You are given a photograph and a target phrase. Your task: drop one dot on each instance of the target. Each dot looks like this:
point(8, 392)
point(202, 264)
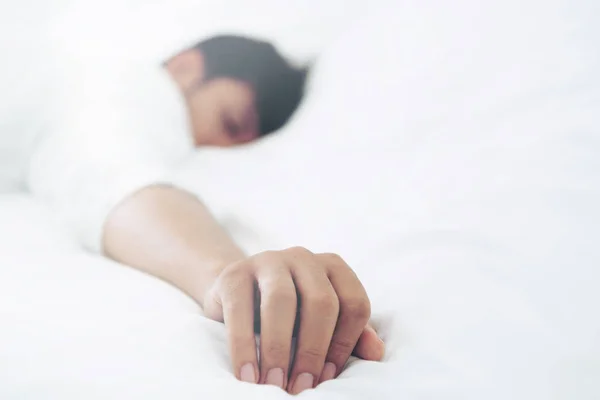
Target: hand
point(317, 292)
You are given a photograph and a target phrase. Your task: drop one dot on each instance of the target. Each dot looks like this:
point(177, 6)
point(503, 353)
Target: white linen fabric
point(108, 138)
point(447, 151)
point(77, 128)
point(25, 83)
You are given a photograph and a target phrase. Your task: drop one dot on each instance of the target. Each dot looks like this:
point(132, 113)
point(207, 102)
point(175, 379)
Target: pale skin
point(170, 234)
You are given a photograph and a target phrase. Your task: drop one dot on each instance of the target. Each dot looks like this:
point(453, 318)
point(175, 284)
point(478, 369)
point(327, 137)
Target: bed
point(454, 164)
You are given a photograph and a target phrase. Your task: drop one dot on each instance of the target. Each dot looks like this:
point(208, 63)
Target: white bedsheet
point(74, 326)
point(455, 167)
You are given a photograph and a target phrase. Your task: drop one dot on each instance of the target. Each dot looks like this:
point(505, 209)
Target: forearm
point(170, 234)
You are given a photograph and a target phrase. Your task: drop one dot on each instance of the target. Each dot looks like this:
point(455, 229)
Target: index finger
point(237, 301)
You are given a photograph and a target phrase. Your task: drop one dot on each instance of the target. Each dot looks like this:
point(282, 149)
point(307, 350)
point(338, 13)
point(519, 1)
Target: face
point(223, 113)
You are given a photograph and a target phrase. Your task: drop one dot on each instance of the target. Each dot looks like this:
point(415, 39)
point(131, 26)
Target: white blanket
point(448, 152)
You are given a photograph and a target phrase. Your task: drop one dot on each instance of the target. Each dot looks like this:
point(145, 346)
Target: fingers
point(355, 311)
point(237, 299)
point(320, 292)
point(277, 315)
point(369, 347)
point(319, 307)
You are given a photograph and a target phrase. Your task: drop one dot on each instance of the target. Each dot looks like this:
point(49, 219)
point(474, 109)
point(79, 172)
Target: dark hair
point(278, 86)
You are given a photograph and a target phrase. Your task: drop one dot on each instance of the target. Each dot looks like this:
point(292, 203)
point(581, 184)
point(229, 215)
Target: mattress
point(451, 161)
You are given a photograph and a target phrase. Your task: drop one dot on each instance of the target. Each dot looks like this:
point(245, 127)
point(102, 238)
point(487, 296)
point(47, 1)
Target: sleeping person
point(102, 155)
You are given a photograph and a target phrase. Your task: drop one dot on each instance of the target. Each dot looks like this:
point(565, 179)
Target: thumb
point(369, 346)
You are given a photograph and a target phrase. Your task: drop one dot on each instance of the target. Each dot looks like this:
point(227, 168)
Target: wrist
point(202, 275)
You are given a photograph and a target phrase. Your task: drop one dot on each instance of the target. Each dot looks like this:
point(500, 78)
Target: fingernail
point(328, 372)
point(303, 382)
point(247, 373)
point(275, 377)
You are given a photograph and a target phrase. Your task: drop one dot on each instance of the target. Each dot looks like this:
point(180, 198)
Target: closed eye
point(231, 126)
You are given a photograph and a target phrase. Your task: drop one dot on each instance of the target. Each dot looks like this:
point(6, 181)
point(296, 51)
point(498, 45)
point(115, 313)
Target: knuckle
point(231, 285)
point(299, 250)
point(356, 308)
point(341, 347)
point(311, 354)
point(235, 271)
point(265, 256)
point(280, 297)
point(233, 282)
point(333, 256)
point(335, 260)
point(276, 351)
point(323, 303)
point(232, 291)
point(240, 342)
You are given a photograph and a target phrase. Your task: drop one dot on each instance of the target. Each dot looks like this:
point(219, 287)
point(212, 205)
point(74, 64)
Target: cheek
point(207, 129)
point(211, 134)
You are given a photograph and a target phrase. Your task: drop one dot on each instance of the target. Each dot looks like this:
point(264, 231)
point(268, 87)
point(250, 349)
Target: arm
point(168, 233)
point(105, 169)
